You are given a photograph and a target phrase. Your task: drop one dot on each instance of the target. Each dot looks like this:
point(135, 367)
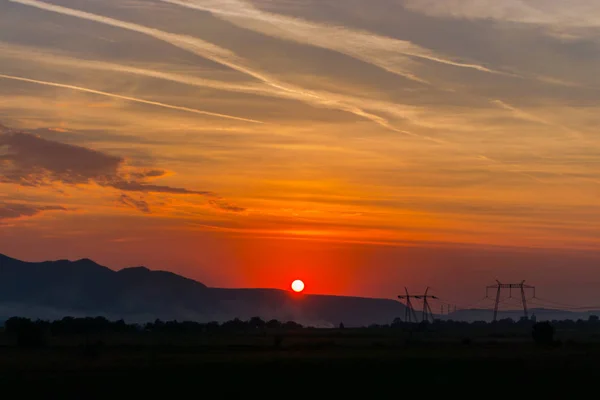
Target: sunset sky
point(360, 145)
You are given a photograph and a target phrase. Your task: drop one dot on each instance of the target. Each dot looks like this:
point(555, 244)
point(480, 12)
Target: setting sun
point(297, 286)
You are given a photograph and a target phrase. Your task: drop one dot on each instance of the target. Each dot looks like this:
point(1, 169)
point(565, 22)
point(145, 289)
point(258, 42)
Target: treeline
point(89, 325)
point(35, 333)
point(28, 329)
point(592, 323)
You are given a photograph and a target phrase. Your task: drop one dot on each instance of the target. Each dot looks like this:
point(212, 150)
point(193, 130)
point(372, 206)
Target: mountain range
point(540, 314)
point(55, 289)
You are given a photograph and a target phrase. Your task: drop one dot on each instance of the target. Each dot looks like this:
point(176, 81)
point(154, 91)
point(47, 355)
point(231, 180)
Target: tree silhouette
point(256, 323)
point(273, 324)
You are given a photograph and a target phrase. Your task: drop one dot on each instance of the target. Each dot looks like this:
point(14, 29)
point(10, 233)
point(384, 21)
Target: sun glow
point(298, 286)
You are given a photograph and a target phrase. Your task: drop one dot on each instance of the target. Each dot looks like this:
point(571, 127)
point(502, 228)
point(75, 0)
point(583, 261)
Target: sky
point(360, 145)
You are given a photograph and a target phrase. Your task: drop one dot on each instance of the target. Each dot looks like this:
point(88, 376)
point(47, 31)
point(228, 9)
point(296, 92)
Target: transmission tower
point(510, 286)
point(427, 313)
point(409, 311)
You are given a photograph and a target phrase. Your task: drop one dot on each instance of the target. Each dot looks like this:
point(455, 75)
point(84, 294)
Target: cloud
point(518, 113)
point(140, 204)
point(560, 13)
point(37, 55)
point(30, 160)
point(128, 98)
point(226, 58)
point(390, 54)
point(18, 210)
point(224, 206)
point(136, 186)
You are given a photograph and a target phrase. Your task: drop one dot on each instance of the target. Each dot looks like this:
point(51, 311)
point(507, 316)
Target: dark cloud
point(136, 186)
point(33, 161)
point(222, 205)
point(17, 210)
point(155, 173)
point(30, 160)
point(140, 204)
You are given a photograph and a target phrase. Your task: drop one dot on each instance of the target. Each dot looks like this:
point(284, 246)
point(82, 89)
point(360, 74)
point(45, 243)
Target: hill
point(541, 314)
point(54, 289)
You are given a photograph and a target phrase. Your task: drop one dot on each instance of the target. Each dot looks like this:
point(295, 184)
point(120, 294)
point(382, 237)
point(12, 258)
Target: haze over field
point(360, 145)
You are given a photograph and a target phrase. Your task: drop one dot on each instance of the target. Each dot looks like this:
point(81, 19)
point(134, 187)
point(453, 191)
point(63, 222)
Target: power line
point(409, 311)
point(410, 314)
point(510, 286)
point(565, 306)
point(520, 300)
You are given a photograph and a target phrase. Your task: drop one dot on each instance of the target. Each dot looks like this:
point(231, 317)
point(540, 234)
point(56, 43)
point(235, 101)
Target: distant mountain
point(54, 289)
point(541, 314)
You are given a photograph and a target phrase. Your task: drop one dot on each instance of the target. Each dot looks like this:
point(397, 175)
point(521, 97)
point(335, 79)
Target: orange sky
point(249, 143)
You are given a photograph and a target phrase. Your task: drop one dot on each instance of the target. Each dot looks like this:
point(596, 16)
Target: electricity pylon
point(427, 313)
point(409, 311)
point(510, 286)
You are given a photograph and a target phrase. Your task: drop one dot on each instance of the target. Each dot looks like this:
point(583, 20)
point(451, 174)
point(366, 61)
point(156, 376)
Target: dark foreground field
point(301, 370)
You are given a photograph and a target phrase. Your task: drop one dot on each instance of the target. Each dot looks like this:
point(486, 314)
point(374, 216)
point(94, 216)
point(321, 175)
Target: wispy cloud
point(13, 210)
point(527, 116)
point(225, 206)
point(574, 13)
point(139, 204)
point(52, 58)
point(391, 54)
point(361, 42)
point(128, 98)
point(477, 169)
point(227, 58)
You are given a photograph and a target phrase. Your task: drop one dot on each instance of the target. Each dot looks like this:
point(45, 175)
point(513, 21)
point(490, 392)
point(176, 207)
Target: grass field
point(317, 362)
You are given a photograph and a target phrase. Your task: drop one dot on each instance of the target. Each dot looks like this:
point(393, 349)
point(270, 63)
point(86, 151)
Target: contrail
point(345, 103)
point(128, 98)
point(380, 51)
point(363, 45)
point(534, 118)
point(227, 58)
point(192, 44)
point(223, 57)
point(51, 58)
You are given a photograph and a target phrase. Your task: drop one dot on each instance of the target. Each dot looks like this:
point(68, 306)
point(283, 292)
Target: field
point(314, 362)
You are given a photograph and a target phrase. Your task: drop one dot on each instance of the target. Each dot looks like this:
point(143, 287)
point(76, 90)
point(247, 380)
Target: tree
point(291, 325)
point(273, 324)
point(256, 323)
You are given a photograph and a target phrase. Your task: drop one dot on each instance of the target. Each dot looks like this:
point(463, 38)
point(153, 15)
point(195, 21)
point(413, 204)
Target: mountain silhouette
point(54, 289)
point(541, 314)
